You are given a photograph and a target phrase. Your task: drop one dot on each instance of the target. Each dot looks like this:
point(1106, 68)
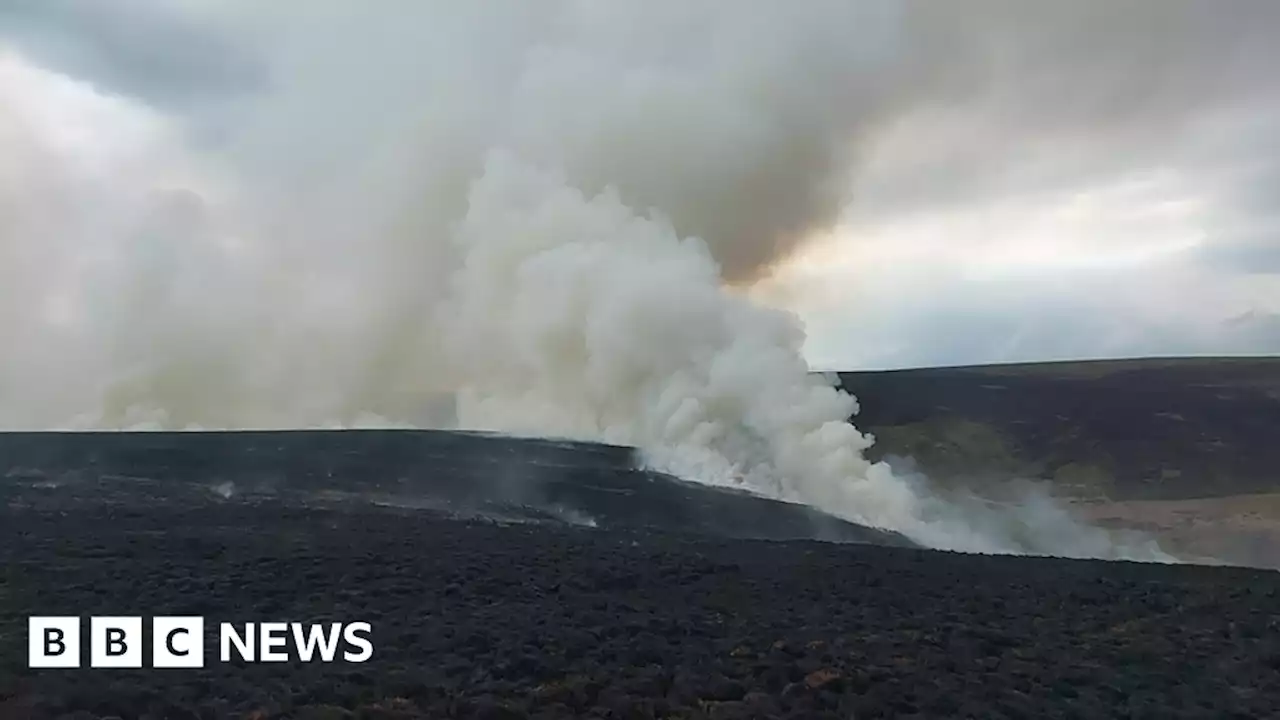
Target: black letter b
point(115, 642)
point(53, 638)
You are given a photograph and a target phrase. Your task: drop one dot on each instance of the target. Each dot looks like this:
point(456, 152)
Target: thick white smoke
point(498, 203)
point(573, 316)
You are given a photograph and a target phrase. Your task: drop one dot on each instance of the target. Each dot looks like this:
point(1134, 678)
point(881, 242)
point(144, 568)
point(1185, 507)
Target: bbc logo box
point(179, 642)
point(53, 642)
point(115, 642)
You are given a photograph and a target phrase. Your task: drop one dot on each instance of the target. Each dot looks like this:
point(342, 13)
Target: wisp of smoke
point(508, 217)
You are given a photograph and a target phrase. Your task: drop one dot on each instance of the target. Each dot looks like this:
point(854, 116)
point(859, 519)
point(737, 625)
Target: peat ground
point(1157, 429)
point(459, 474)
point(477, 618)
point(1180, 448)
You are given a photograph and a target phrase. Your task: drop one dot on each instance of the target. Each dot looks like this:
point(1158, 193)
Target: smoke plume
point(511, 216)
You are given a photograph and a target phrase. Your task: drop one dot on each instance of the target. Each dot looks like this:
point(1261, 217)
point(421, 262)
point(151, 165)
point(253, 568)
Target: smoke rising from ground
point(575, 317)
point(531, 209)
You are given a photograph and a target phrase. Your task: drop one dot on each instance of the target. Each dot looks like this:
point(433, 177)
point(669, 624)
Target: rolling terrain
point(483, 616)
point(532, 578)
point(1182, 448)
point(460, 474)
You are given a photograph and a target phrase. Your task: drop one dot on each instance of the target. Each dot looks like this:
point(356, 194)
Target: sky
point(1071, 180)
point(1025, 180)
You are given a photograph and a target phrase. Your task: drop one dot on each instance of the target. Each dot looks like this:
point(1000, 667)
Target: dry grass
point(1240, 529)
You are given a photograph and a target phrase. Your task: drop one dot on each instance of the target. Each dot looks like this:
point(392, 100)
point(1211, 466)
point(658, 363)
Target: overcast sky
point(1037, 180)
point(1067, 180)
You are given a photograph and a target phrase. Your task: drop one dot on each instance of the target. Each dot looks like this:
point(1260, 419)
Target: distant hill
point(1161, 429)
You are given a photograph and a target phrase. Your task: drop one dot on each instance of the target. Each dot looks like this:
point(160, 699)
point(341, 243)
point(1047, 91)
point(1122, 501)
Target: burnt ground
point(534, 616)
point(459, 474)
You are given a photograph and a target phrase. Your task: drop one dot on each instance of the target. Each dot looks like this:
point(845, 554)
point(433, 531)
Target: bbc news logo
point(178, 642)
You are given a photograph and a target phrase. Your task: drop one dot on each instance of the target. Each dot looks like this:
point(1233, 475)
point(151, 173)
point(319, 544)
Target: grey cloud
point(987, 100)
point(1034, 329)
point(145, 48)
point(1007, 97)
point(1123, 65)
point(1257, 331)
point(1244, 233)
point(1256, 252)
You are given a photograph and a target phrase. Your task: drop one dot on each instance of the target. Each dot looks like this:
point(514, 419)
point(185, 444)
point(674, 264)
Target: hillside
point(1124, 430)
point(1184, 448)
